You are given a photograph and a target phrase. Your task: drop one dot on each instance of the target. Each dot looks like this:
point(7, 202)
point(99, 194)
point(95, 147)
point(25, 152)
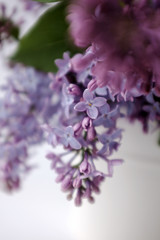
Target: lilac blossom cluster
point(122, 38)
point(87, 126)
point(25, 104)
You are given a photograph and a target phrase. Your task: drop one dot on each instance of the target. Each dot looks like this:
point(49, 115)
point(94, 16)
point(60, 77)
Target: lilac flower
point(74, 90)
point(153, 109)
point(106, 117)
point(85, 166)
point(67, 138)
point(88, 127)
point(25, 105)
point(67, 100)
point(108, 141)
point(90, 104)
point(111, 164)
point(129, 54)
point(64, 65)
point(13, 165)
point(80, 177)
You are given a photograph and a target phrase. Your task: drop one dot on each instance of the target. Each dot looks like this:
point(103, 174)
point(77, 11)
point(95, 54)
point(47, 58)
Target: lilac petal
point(99, 121)
point(150, 98)
point(92, 112)
point(113, 163)
point(103, 149)
point(83, 166)
point(64, 141)
point(99, 101)
point(101, 91)
point(66, 183)
point(103, 138)
point(58, 132)
point(77, 182)
point(117, 134)
point(147, 108)
point(113, 112)
point(70, 131)
point(87, 95)
point(74, 143)
point(113, 146)
point(80, 107)
point(157, 107)
point(108, 123)
point(105, 109)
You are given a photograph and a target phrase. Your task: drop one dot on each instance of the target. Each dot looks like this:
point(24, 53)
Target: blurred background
point(126, 209)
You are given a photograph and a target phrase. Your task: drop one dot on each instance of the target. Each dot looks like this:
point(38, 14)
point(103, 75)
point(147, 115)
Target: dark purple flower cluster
point(123, 39)
point(26, 103)
point(87, 126)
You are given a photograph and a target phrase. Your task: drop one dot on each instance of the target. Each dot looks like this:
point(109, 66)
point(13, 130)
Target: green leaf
point(46, 41)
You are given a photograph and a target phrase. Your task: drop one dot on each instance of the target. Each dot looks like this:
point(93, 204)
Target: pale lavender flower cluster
point(80, 115)
point(13, 164)
point(25, 105)
point(87, 126)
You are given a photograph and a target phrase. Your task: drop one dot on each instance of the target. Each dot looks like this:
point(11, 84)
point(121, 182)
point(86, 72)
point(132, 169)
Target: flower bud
point(77, 182)
point(92, 85)
point(74, 90)
point(86, 123)
point(77, 129)
point(60, 178)
point(85, 167)
point(78, 199)
point(66, 183)
point(91, 134)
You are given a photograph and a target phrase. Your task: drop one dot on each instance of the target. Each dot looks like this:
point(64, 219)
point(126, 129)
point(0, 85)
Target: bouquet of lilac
point(115, 75)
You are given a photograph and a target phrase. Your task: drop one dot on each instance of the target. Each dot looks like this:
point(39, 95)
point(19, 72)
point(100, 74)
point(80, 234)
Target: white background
point(127, 208)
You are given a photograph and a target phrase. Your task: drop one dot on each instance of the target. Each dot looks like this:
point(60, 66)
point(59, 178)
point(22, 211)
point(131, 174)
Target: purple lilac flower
point(90, 104)
point(64, 65)
point(13, 165)
point(67, 100)
point(82, 179)
point(67, 138)
point(153, 109)
point(79, 133)
point(108, 141)
point(123, 38)
point(107, 116)
point(26, 104)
